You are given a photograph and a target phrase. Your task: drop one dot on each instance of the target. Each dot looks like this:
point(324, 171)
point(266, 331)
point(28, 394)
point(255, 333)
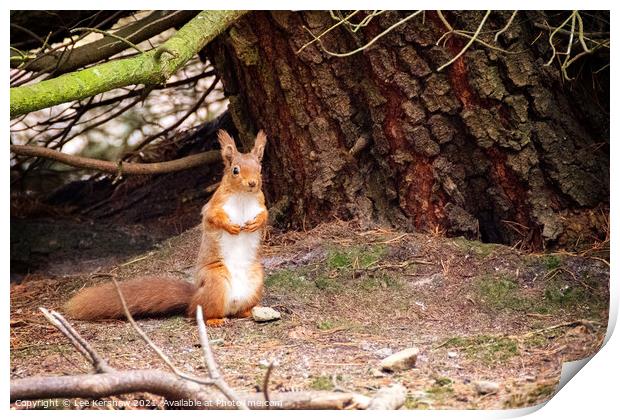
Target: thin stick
point(52, 320)
point(317, 38)
point(505, 28)
point(445, 21)
point(141, 333)
point(192, 110)
point(471, 41)
point(266, 382)
point(556, 30)
point(207, 353)
point(371, 42)
point(581, 34)
point(100, 365)
point(106, 33)
point(154, 346)
point(212, 365)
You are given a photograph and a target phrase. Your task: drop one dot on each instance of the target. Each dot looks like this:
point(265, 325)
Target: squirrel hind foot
point(216, 322)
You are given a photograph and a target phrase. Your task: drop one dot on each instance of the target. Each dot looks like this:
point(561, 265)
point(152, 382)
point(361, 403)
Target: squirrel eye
point(235, 170)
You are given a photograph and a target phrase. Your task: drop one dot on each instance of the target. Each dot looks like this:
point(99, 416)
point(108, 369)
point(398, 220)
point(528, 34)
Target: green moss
point(322, 383)
point(328, 284)
point(536, 340)
point(551, 262)
point(443, 381)
point(500, 292)
point(338, 259)
point(325, 324)
point(564, 295)
point(244, 45)
point(336, 272)
point(286, 279)
point(477, 248)
point(354, 257)
point(560, 295)
point(441, 389)
point(151, 67)
point(412, 403)
point(489, 349)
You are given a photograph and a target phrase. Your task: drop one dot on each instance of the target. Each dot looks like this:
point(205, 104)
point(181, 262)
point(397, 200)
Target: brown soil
point(348, 297)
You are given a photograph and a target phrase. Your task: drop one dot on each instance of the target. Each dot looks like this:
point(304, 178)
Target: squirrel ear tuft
point(227, 144)
point(259, 145)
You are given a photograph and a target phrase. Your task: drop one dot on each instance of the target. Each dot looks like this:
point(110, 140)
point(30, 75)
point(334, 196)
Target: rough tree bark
point(494, 146)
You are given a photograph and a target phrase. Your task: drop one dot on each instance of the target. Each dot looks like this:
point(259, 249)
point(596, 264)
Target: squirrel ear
point(259, 145)
point(227, 145)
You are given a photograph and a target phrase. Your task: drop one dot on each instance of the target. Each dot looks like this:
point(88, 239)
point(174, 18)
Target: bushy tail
point(144, 296)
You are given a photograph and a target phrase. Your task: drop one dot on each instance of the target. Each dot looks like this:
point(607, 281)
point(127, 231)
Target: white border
point(593, 393)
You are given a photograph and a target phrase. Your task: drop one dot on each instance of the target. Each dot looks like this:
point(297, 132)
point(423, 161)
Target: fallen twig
point(57, 320)
point(212, 365)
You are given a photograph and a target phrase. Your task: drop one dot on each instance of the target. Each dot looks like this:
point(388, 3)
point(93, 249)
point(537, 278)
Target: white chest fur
point(239, 251)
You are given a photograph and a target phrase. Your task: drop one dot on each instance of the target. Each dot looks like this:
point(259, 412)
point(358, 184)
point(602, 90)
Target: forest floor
point(349, 298)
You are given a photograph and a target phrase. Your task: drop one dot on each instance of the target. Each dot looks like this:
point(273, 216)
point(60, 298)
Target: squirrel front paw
point(254, 224)
point(232, 229)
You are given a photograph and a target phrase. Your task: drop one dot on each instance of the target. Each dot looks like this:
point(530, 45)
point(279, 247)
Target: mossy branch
point(148, 68)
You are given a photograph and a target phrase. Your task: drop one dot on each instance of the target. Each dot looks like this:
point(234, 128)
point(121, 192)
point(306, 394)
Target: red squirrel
point(229, 276)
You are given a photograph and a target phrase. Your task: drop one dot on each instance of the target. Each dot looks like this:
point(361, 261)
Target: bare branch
point(505, 28)
point(207, 353)
point(106, 384)
point(369, 43)
point(90, 354)
point(110, 34)
point(144, 69)
point(173, 389)
point(127, 168)
point(270, 368)
point(109, 45)
point(331, 28)
point(471, 41)
point(179, 121)
point(212, 365)
point(180, 387)
point(142, 334)
point(140, 92)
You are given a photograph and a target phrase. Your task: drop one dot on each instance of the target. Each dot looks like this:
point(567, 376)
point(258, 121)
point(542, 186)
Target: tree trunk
point(495, 146)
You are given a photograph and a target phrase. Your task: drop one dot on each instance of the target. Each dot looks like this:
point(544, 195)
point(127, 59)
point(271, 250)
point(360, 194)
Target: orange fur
point(213, 283)
point(143, 295)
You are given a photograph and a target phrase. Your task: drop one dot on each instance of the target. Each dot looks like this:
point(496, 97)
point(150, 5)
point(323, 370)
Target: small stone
point(486, 387)
point(452, 354)
point(264, 314)
point(263, 363)
point(384, 352)
point(376, 373)
point(403, 360)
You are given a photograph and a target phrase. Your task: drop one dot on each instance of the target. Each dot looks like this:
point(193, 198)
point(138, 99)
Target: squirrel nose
point(252, 184)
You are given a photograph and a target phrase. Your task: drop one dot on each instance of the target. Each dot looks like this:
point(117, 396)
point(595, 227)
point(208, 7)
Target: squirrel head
point(242, 171)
